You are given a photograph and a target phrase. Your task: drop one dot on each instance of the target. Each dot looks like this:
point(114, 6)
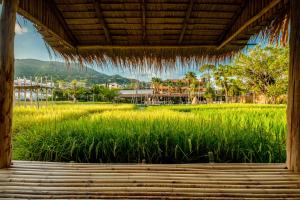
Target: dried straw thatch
point(154, 34)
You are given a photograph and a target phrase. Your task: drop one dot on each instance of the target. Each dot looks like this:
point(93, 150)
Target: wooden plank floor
point(45, 180)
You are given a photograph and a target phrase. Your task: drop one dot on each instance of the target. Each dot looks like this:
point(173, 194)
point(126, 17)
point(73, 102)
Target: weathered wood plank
point(7, 33)
point(41, 180)
point(102, 20)
point(190, 165)
point(143, 14)
point(293, 110)
point(49, 22)
point(186, 21)
point(247, 17)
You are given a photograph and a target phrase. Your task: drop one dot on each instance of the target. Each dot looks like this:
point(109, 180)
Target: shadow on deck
point(45, 180)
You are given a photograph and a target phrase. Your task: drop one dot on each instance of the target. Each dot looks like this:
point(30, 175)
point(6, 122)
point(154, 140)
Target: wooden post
point(37, 91)
point(19, 91)
point(14, 95)
point(293, 110)
point(46, 90)
point(7, 33)
point(25, 91)
point(52, 86)
point(41, 91)
point(31, 90)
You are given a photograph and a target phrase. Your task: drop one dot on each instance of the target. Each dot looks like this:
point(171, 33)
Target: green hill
point(59, 71)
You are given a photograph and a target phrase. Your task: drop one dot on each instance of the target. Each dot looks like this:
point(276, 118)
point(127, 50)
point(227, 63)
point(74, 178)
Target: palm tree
point(74, 84)
point(191, 78)
point(156, 82)
point(180, 84)
point(193, 87)
point(222, 76)
point(170, 85)
point(207, 71)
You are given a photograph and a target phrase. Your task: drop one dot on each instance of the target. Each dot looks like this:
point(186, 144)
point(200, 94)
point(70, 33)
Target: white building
point(114, 85)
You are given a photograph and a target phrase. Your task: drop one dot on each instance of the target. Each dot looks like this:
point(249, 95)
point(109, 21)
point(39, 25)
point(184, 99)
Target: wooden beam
point(48, 22)
point(94, 47)
point(62, 21)
point(186, 21)
point(143, 10)
point(7, 33)
point(210, 46)
point(234, 21)
point(102, 20)
point(293, 108)
point(243, 21)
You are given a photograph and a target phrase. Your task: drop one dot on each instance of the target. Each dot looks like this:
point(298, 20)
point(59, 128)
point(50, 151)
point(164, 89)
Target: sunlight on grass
point(158, 134)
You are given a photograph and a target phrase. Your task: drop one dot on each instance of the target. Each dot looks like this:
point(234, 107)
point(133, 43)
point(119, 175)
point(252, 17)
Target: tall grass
point(167, 134)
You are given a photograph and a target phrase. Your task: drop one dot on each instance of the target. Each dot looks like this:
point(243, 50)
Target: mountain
point(60, 71)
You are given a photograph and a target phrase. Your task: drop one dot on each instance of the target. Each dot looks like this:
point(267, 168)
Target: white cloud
point(20, 30)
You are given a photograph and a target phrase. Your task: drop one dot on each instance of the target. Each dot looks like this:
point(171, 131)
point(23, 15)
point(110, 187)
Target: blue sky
point(29, 44)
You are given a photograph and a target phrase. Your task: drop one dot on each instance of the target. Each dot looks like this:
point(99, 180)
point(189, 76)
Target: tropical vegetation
point(77, 91)
point(263, 71)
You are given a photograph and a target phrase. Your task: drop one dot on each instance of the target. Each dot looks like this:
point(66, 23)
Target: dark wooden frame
point(293, 110)
point(8, 20)
point(7, 33)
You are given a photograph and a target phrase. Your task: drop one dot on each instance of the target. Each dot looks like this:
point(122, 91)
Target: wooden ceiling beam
point(253, 11)
point(102, 20)
point(95, 47)
point(234, 19)
point(143, 10)
point(186, 21)
point(56, 26)
point(150, 3)
point(62, 21)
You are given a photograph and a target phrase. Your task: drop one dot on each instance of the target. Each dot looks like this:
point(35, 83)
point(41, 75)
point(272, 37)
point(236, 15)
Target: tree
point(156, 82)
point(207, 71)
point(223, 76)
point(61, 84)
point(264, 71)
point(82, 93)
point(58, 93)
point(102, 93)
point(191, 79)
point(209, 93)
point(179, 85)
point(109, 94)
point(74, 88)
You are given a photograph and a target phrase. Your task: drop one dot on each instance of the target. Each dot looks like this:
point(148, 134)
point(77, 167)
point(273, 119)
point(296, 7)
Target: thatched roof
point(130, 33)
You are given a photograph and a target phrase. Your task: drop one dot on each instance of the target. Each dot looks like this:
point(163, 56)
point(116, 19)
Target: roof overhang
point(132, 32)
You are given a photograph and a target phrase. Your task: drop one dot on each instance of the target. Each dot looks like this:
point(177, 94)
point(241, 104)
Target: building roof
point(130, 33)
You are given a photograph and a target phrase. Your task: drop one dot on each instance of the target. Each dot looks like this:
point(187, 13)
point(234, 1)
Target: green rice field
point(123, 133)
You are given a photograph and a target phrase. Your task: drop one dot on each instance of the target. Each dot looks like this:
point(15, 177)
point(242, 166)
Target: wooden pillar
point(19, 91)
point(25, 91)
point(293, 109)
point(31, 90)
point(46, 90)
point(7, 33)
point(52, 86)
point(37, 91)
point(41, 90)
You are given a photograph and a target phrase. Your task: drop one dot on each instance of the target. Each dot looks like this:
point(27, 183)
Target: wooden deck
point(39, 180)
